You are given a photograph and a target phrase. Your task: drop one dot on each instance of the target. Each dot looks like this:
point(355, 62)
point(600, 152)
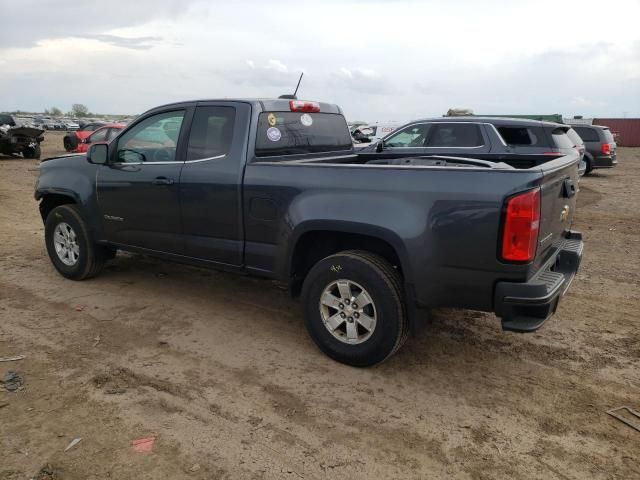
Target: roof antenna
point(293, 97)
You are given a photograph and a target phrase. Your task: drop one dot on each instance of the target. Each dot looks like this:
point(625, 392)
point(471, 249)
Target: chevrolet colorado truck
point(273, 188)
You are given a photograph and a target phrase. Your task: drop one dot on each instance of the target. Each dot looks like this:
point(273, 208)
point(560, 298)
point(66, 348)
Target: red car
point(104, 133)
point(72, 139)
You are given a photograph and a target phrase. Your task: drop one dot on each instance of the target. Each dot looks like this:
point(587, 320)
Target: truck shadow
point(450, 337)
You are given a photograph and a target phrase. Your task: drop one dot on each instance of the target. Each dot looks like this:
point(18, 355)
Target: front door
point(138, 191)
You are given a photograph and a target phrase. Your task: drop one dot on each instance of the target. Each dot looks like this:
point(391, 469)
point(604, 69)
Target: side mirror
point(380, 146)
point(98, 153)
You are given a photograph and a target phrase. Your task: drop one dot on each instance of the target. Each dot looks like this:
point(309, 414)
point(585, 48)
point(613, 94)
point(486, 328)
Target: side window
point(587, 134)
point(211, 132)
point(412, 136)
point(455, 135)
point(154, 139)
point(98, 135)
point(517, 136)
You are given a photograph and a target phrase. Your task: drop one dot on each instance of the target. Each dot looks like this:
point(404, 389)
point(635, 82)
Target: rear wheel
point(70, 246)
point(354, 308)
point(66, 141)
point(589, 163)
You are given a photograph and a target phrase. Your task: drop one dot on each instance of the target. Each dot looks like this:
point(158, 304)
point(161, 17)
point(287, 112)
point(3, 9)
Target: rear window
point(587, 134)
point(608, 135)
point(561, 139)
point(575, 138)
point(290, 133)
point(518, 136)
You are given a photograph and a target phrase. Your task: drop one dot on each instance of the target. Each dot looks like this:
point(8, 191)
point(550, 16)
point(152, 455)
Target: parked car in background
point(104, 133)
point(361, 135)
point(381, 130)
point(70, 125)
point(520, 142)
point(600, 146)
point(17, 138)
point(579, 145)
point(274, 188)
point(49, 123)
point(72, 140)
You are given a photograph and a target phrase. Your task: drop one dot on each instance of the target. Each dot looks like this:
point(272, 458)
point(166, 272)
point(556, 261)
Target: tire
point(89, 257)
point(589, 168)
point(70, 142)
point(383, 286)
point(32, 152)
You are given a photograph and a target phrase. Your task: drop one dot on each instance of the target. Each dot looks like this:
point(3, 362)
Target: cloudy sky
point(380, 60)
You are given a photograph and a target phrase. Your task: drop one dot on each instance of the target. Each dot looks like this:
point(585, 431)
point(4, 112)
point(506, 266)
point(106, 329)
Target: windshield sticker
point(274, 134)
point(271, 118)
point(306, 120)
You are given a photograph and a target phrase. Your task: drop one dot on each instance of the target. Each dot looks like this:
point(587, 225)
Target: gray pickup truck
point(273, 188)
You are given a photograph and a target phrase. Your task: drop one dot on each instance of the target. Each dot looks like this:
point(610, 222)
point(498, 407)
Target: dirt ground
point(219, 369)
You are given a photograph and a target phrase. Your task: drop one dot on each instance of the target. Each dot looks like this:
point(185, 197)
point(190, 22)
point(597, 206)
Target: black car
point(600, 146)
point(526, 143)
point(274, 188)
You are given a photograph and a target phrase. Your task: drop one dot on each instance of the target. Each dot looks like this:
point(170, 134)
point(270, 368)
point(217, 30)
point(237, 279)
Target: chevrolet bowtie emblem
point(564, 215)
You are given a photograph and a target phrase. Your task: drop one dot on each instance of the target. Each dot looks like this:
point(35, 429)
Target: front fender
point(73, 177)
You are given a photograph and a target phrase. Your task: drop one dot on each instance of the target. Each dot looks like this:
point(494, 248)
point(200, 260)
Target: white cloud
point(379, 60)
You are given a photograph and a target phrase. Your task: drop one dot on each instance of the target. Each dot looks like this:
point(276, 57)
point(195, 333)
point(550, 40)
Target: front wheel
point(32, 152)
point(70, 246)
point(354, 308)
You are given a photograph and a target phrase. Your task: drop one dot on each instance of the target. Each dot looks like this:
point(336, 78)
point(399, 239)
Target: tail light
point(302, 106)
point(521, 226)
point(605, 148)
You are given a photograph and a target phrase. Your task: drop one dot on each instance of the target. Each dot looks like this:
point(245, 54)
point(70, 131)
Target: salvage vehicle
point(104, 133)
point(600, 146)
point(17, 139)
point(73, 139)
point(273, 188)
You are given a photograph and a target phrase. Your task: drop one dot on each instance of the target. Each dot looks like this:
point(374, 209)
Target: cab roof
point(498, 121)
point(264, 104)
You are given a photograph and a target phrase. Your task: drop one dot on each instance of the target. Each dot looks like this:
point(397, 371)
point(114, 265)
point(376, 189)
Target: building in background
point(578, 120)
point(626, 130)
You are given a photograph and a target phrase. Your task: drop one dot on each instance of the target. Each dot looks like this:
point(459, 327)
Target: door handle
point(569, 188)
point(162, 181)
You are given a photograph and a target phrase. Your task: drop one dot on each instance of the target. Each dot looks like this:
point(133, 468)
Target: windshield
point(289, 133)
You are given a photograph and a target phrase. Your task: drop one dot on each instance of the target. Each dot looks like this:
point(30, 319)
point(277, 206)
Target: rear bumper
point(525, 306)
point(605, 161)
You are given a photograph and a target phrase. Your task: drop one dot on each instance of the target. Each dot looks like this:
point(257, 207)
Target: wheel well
point(51, 201)
point(315, 245)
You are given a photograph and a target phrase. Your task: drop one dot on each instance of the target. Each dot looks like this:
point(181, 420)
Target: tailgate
point(559, 190)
